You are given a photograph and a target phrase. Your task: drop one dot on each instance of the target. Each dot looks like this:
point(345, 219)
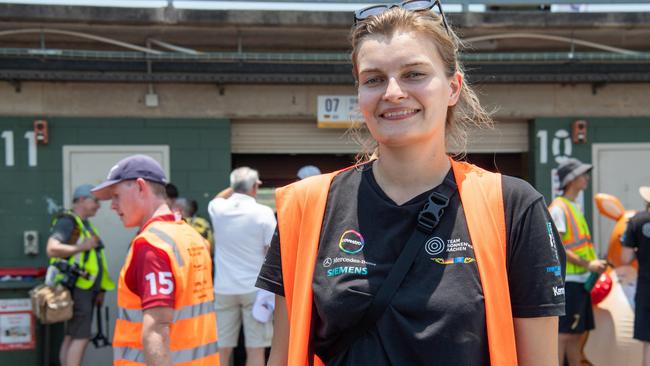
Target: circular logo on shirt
point(351, 242)
point(434, 246)
point(645, 229)
point(327, 262)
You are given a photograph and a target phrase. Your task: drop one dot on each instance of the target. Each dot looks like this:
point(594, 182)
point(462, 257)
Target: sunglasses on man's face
point(410, 5)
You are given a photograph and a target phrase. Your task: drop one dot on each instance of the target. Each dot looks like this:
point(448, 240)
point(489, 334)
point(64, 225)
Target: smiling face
point(403, 90)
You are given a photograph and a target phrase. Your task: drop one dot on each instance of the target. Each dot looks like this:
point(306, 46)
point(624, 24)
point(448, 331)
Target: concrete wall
point(299, 101)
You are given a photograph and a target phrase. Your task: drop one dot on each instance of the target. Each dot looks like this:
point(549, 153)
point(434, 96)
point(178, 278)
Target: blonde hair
point(468, 111)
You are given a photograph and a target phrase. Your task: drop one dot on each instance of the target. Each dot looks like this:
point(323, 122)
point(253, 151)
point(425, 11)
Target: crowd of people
point(409, 257)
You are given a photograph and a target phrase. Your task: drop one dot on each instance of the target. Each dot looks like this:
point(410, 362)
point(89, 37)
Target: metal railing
point(315, 58)
point(345, 5)
point(449, 5)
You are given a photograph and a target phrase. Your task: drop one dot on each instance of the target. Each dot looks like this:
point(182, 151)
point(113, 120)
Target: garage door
point(304, 137)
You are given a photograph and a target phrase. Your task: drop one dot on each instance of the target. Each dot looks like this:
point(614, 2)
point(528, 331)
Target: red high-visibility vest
point(193, 332)
point(301, 208)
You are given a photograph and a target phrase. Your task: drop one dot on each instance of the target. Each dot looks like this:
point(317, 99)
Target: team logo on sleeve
point(556, 270)
point(351, 242)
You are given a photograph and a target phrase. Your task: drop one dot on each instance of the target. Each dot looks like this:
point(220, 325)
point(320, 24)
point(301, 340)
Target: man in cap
point(581, 258)
point(636, 242)
point(243, 230)
point(75, 239)
point(165, 295)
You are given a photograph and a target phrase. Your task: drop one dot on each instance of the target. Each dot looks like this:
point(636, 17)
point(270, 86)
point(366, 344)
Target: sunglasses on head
point(410, 5)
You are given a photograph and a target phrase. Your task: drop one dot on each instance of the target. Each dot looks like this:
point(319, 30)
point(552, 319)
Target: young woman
point(484, 283)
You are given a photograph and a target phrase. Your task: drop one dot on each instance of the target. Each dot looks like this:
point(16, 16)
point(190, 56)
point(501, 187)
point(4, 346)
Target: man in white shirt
point(243, 230)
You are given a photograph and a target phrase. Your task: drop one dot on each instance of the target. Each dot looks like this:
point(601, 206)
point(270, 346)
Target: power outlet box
point(30, 242)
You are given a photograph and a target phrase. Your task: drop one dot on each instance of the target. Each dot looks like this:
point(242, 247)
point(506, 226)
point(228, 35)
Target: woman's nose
point(394, 91)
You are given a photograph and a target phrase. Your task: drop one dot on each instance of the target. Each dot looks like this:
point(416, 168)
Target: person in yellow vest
point(75, 239)
point(581, 259)
point(413, 258)
point(164, 295)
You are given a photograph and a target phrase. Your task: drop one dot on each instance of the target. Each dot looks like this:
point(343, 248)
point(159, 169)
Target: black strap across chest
point(428, 219)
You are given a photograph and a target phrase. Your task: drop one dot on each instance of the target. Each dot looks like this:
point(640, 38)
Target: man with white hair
point(243, 230)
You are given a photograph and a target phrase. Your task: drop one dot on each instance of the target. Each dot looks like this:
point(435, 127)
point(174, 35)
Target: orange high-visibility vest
point(193, 332)
point(301, 208)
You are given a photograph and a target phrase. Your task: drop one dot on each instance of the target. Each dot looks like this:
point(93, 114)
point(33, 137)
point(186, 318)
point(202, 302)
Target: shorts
point(579, 316)
point(232, 311)
point(82, 314)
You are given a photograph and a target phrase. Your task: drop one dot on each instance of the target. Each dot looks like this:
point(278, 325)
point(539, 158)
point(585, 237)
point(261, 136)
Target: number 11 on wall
point(32, 157)
point(8, 136)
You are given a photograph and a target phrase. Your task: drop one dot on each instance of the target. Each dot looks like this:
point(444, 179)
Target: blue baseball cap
point(132, 167)
point(83, 191)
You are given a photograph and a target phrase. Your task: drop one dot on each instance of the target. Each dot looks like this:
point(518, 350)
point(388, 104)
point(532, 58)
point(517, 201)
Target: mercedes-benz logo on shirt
point(327, 262)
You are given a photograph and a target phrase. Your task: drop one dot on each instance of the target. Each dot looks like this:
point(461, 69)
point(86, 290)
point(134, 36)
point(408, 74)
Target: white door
point(90, 164)
point(619, 170)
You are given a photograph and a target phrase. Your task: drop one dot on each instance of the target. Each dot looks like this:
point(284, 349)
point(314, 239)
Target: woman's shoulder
point(315, 184)
point(518, 192)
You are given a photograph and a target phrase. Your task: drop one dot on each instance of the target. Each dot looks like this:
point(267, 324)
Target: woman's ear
point(455, 87)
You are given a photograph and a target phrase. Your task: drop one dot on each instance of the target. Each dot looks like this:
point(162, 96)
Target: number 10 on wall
point(8, 137)
point(561, 146)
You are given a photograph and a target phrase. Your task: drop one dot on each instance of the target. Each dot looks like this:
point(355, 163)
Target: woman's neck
point(405, 173)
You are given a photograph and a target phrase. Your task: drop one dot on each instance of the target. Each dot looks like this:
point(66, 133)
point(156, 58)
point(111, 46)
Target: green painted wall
point(545, 133)
point(199, 162)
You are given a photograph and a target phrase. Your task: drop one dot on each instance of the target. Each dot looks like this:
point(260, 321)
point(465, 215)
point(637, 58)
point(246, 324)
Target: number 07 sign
point(338, 111)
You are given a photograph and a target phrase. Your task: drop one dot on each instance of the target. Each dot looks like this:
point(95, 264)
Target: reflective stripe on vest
point(576, 238)
point(189, 311)
point(168, 239)
point(301, 208)
point(193, 332)
point(180, 356)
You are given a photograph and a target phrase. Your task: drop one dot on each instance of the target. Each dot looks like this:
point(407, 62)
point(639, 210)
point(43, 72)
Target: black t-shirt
point(637, 236)
point(66, 231)
point(438, 313)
